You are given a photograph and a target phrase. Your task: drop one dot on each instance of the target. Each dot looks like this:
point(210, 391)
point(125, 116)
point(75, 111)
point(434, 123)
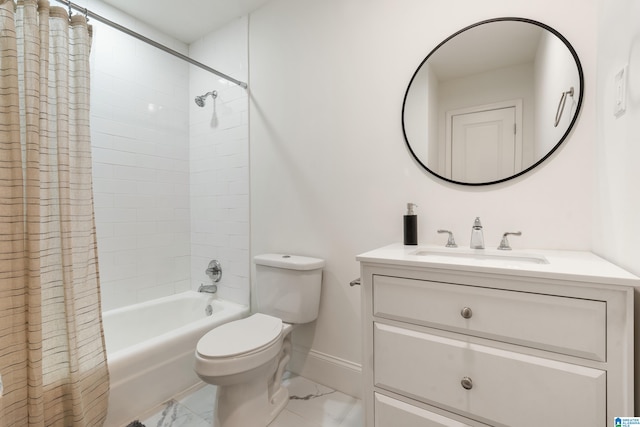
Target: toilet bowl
point(246, 358)
point(242, 358)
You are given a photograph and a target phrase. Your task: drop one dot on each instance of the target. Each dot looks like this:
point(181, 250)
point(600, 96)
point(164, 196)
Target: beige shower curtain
point(52, 356)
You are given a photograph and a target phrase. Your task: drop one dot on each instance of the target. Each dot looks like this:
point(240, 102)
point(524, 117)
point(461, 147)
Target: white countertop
point(573, 265)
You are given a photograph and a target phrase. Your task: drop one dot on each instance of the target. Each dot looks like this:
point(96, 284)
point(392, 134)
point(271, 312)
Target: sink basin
point(482, 256)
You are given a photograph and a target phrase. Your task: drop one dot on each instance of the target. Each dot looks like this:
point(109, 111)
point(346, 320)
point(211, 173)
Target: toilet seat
point(240, 337)
point(239, 346)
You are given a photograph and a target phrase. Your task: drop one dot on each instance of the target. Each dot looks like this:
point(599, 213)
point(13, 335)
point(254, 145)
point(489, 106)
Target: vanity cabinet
point(477, 343)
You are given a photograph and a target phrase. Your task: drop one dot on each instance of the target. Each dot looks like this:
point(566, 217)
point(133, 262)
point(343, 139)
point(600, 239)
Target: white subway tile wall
point(171, 191)
point(219, 156)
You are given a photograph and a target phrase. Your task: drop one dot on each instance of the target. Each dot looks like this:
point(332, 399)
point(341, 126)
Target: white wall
point(330, 174)
point(219, 157)
point(617, 205)
point(139, 130)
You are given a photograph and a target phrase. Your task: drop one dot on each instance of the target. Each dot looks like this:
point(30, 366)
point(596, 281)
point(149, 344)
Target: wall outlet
point(620, 92)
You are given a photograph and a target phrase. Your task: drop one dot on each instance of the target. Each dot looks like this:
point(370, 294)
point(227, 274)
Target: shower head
point(200, 99)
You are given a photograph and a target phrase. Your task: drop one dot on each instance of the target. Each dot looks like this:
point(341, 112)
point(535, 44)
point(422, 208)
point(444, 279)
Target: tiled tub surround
point(171, 187)
point(150, 349)
point(140, 149)
point(219, 162)
point(310, 405)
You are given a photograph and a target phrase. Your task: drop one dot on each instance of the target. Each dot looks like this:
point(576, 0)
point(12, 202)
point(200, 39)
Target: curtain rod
point(147, 40)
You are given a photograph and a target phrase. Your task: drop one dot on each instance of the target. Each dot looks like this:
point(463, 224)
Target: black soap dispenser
point(411, 225)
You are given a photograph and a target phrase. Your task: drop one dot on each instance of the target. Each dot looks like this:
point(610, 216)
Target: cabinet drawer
point(564, 325)
point(390, 412)
point(502, 387)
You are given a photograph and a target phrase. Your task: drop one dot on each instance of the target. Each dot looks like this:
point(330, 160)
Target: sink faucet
point(477, 238)
point(451, 242)
point(504, 243)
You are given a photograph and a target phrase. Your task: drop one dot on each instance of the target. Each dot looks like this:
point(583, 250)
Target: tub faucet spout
point(211, 289)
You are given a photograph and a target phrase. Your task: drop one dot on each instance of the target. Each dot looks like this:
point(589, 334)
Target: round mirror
point(492, 101)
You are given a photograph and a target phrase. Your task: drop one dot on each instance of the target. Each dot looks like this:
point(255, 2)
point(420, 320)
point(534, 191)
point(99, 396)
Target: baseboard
point(338, 374)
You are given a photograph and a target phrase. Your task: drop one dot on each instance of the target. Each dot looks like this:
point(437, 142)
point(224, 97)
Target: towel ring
point(560, 110)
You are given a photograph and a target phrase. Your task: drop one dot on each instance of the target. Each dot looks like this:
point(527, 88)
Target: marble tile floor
point(310, 405)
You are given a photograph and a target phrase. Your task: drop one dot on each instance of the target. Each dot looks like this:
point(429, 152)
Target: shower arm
point(147, 40)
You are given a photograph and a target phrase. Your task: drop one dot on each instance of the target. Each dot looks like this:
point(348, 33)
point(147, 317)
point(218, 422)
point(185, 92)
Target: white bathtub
point(150, 349)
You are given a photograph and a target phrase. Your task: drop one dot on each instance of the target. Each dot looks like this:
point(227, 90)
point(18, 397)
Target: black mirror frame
point(546, 156)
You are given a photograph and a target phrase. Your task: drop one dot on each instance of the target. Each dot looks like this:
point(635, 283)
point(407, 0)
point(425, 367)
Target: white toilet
point(246, 358)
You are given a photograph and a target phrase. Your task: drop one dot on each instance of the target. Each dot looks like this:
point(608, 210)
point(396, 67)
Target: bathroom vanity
point(460, 337)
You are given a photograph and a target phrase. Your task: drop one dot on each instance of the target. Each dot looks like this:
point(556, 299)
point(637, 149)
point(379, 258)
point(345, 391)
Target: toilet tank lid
point(291, 262)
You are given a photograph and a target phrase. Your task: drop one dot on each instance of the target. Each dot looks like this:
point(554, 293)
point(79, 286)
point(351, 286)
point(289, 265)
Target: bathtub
point(150, 349)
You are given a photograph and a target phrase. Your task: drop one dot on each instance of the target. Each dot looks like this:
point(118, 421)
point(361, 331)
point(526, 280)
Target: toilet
point(246, 358)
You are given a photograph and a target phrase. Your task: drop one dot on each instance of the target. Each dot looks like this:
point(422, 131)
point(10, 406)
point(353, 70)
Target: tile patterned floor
point(310, 405)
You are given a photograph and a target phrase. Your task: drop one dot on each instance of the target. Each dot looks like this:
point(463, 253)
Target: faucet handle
point(214, 270)
point(451, 242)
point(504, 243)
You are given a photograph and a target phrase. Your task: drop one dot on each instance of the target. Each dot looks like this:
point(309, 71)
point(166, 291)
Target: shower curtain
point(52, 356)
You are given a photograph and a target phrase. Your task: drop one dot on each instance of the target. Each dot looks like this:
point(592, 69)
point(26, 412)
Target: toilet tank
point(288, 286)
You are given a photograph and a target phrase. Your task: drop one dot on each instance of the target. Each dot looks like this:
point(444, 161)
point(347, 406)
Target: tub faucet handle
point(504, 243)
point(451, 242)
point(214, 270)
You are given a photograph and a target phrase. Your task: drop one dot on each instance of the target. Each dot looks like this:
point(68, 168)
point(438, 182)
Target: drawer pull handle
point(467, 383)
point(466, 313)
